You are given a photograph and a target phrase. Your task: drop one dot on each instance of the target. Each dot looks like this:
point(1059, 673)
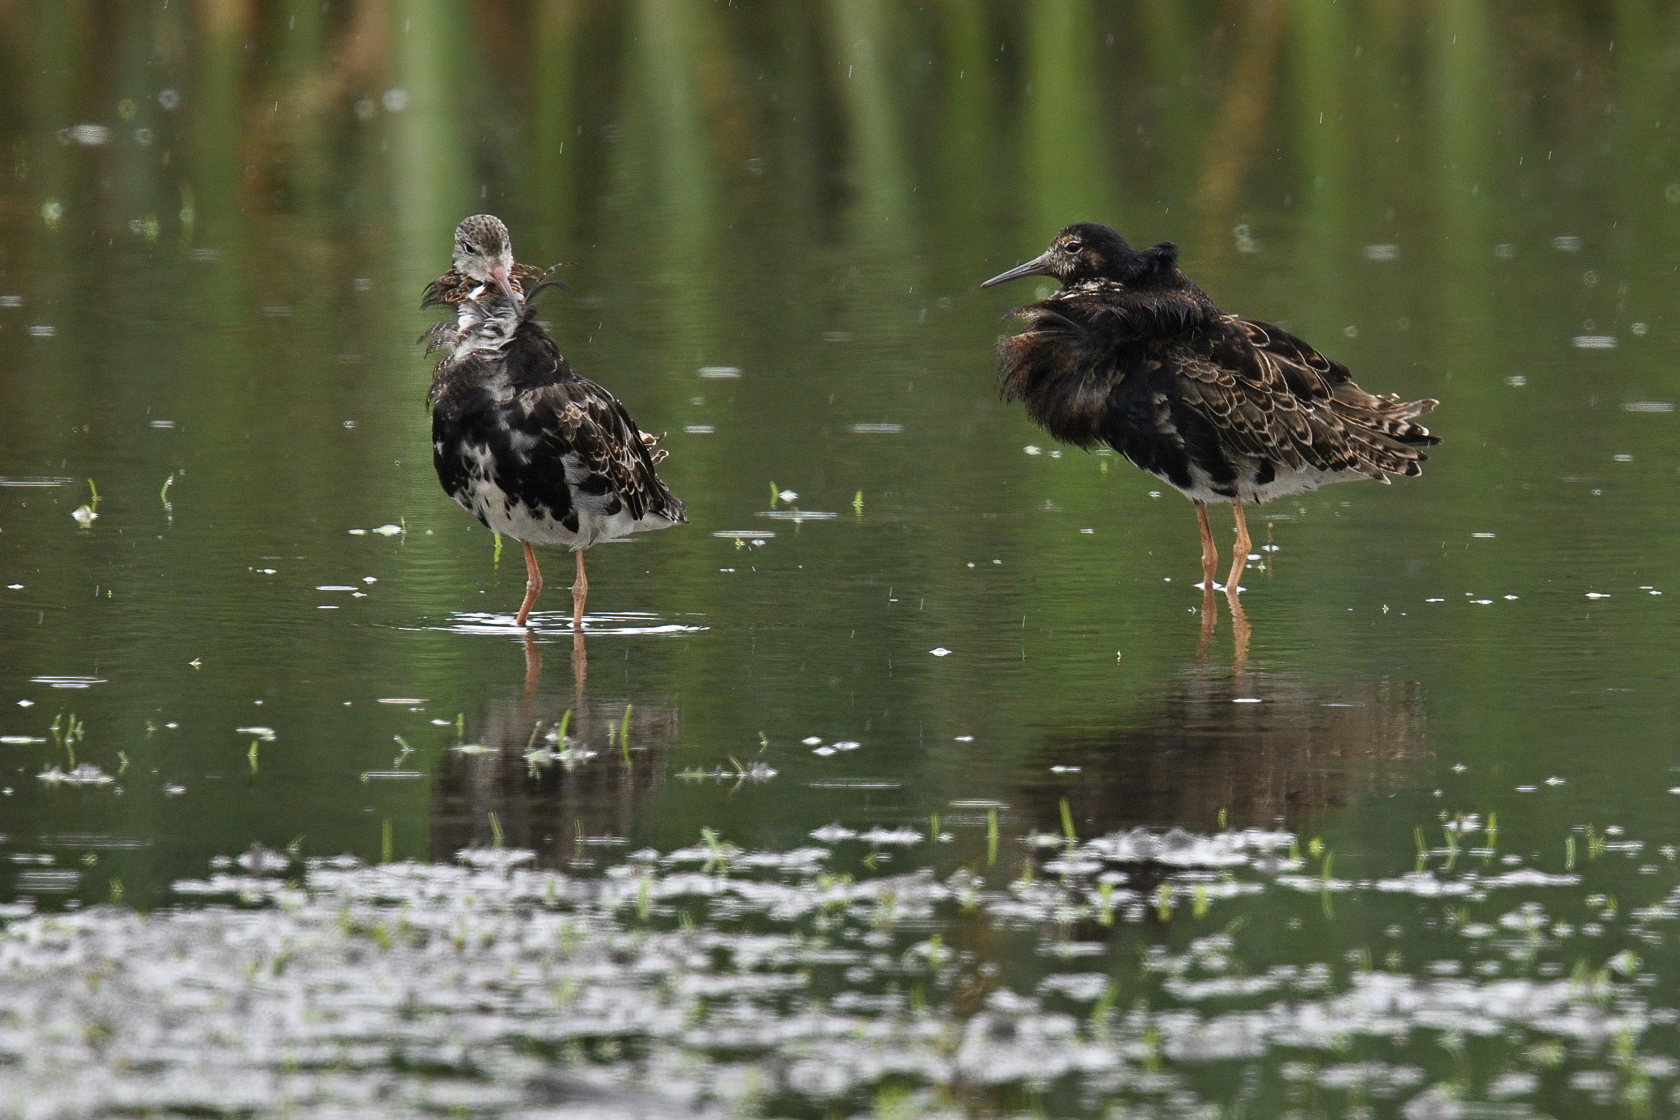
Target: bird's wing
point(1272, 395)
point(581, 419)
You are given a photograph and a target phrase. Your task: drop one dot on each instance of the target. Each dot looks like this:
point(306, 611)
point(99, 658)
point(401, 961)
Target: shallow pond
point(904, 780)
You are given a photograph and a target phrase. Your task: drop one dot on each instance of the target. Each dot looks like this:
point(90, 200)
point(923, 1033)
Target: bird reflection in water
point(1241, 631)
point(1258, 750)
point(534, 663)
point(554, 775)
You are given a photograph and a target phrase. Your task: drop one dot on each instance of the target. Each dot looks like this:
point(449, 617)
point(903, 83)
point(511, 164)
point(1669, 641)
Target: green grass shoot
point(496, 554)
point(385, 840)
point(1067, 824)
point(495, 830)
point(991, 837)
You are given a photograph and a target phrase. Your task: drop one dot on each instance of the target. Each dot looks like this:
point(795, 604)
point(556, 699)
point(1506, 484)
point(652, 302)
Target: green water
point(775, 220)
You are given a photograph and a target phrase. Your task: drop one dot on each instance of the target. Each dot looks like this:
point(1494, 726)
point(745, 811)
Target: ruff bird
point(1129, 353)
point(520, 441)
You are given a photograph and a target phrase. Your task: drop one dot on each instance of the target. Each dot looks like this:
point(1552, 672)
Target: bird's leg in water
point(1242, 546)
point(1210, 554)
point(533, 584)
point(580, 593)
point(1210, 561)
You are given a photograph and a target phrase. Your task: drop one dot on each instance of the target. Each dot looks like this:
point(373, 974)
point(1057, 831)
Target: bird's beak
point(500, 276)
point(1038, 266)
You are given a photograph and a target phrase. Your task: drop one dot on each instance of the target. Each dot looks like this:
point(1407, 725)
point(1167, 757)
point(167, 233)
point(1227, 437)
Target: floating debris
point(86, 774)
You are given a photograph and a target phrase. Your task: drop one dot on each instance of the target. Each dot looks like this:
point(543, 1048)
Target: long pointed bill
point(1038, 266)
point(500, 276)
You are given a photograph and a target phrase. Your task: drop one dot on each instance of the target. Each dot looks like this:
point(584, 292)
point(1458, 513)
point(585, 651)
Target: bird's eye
point(1072, 246)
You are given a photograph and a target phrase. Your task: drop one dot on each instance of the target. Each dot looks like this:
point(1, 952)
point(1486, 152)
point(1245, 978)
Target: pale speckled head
point(484, 252)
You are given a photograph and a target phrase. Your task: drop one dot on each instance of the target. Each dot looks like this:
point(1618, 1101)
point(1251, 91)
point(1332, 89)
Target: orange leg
point(1242, 546)
point(1210, 560)
point(1210, 554)
point(533, 584)
point(580, 592)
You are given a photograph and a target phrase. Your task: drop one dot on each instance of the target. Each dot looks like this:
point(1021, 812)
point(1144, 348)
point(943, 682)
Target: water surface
point(896, 782)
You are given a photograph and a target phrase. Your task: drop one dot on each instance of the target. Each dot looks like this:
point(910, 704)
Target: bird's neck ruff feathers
point(500, 349)
point(1083, 340)
point(487, 323)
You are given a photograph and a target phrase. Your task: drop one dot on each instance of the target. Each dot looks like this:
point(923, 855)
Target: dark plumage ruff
point(531, 449)
point(1132, 354)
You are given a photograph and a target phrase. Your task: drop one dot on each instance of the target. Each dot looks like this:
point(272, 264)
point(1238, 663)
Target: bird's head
point(1088, 251)
point(484, 252)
